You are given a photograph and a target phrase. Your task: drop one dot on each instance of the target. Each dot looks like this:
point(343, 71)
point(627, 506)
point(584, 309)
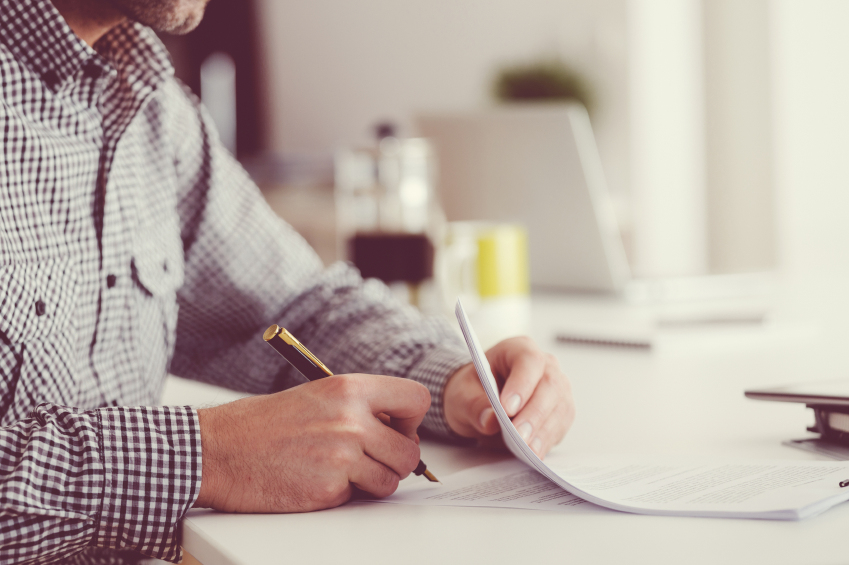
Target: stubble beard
point(175, 17)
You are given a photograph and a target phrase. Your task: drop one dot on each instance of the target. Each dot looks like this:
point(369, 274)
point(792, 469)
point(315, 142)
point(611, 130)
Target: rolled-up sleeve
point(118, 478)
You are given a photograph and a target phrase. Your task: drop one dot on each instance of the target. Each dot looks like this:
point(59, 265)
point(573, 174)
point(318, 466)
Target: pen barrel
point(306, 367)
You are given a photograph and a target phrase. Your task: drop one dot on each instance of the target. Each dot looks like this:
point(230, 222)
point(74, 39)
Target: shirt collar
point(142, 61)
point(38, 36)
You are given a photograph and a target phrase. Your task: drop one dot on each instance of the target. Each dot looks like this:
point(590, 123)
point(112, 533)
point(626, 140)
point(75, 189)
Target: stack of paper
point(779, 490)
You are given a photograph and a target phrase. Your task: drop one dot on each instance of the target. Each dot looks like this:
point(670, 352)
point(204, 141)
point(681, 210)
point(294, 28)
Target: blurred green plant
point(541, 81)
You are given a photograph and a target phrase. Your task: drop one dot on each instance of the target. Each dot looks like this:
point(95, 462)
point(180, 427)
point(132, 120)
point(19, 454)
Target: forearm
point(352, 325)
point(118, 478)
point(357, 326)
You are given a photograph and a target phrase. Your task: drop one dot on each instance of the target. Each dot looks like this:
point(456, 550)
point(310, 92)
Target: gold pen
point(309, 366)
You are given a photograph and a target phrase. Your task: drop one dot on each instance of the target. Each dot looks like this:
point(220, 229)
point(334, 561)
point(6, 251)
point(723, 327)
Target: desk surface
point(684, 396)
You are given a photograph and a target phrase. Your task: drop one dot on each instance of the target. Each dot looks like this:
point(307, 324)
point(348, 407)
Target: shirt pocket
point(37, 298)
point(157, 262)
point(158, 272)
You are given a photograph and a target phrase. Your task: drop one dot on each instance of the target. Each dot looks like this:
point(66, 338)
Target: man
point(118, 206)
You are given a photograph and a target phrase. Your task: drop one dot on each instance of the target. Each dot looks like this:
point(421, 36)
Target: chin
point(168, 16)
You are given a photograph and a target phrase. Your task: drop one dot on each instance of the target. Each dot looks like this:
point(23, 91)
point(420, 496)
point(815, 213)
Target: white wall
point(667, 137)
point(741, 211)
point(688, 159)
point(811, 106)
point(336, 67)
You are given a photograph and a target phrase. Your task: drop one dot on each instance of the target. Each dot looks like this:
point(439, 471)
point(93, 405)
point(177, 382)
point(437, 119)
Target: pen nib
point(430, 476)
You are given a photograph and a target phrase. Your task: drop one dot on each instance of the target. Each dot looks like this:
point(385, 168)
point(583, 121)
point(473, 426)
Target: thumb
point(481, 415)
point(467, 408)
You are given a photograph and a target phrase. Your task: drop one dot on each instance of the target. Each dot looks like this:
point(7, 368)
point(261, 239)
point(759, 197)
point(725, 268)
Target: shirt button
point(111, 280)
point(92, 70)
point(40, 308)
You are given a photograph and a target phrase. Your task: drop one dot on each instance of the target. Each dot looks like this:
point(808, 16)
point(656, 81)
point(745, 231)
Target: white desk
point(684, 396)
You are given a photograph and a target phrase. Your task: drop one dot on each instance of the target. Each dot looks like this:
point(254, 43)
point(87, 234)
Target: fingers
point(386, 429)
point(388, 457)
point(546, 417)
point(551, 432)
point(390, 448)
point(524, 366)
point(535, 423)
point(405, 402)
point(536, 394)
point(373, 477)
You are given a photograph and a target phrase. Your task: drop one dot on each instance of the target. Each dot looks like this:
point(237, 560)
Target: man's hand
point(306, 448)
point(534, 392)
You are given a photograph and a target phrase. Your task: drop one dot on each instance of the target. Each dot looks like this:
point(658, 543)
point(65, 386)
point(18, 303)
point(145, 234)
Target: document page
point(788, 490)
point(752, 489)
point(509, 484)
point(741, 489)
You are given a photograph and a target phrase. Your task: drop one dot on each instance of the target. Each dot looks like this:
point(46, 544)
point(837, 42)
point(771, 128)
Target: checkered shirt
point(118, 208)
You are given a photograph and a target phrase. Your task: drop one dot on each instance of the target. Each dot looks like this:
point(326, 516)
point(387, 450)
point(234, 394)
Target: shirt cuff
point(433, 370)
point(152, 469)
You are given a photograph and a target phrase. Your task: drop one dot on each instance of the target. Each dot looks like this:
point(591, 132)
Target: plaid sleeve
point(433, 370)
point(118, 478)
point(247, 269)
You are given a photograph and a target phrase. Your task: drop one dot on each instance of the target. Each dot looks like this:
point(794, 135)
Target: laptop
point(537, 165)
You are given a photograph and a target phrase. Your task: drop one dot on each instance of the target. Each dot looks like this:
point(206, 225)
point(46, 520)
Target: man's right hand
point(306, 448)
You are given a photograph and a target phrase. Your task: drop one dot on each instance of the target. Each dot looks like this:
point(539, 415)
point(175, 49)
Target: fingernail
point(536, 445)
point(513, 403)
point(525, 430)
point(485, 416)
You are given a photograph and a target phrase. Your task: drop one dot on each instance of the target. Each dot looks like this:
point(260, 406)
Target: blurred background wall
point(741, 210)
point(722, 125)
point(810, 89)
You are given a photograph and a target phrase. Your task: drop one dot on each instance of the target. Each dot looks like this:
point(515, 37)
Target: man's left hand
point(534, 392)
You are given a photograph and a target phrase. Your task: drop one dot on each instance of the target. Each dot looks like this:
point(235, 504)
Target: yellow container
point(502, 262)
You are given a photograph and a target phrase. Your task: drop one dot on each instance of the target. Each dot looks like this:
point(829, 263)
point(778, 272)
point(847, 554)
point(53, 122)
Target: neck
point(89, 19)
